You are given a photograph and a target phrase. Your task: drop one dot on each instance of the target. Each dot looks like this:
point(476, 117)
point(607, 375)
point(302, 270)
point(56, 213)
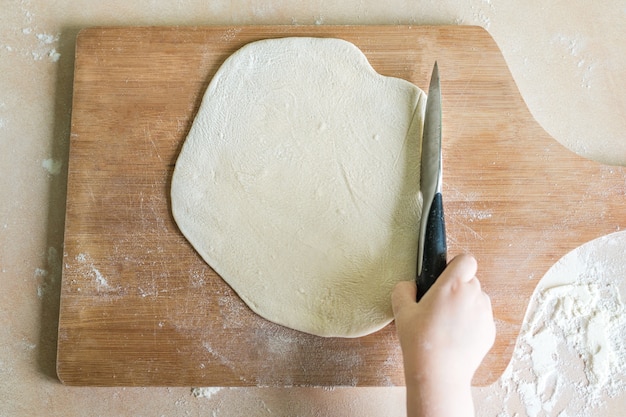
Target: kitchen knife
point(431, 257)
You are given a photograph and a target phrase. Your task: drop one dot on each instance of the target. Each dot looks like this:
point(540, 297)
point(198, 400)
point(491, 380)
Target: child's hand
point(445, 336)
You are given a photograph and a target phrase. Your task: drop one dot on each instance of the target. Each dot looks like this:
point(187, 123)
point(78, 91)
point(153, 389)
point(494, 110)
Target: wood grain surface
point(140, 307)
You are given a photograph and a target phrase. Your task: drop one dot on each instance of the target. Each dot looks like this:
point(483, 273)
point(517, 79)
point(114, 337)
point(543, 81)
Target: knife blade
point(432, 249)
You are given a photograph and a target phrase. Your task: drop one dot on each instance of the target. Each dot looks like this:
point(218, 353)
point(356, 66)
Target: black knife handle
point(435, 250)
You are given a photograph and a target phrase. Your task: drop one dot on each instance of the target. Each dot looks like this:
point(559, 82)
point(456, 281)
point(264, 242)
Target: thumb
point(461, 268)
point(404, 293)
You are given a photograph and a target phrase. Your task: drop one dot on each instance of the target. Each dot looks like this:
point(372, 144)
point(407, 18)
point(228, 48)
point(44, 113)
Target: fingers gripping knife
point(431, 256)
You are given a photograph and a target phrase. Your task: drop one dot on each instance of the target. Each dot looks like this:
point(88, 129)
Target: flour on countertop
point(205, 392)
point(40, 276)
point(44, 49)
point(42, 45)
point(571, 353)
point(53, 166)
point(46, 277)
point(47, 38)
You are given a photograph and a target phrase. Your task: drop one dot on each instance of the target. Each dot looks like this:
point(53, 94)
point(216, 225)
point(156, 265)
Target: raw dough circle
point(299, 183)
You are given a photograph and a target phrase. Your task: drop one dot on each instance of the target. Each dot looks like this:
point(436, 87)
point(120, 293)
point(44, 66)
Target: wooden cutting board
point(140, 307)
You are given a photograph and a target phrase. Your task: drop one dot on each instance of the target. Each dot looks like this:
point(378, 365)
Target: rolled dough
point(299, 183)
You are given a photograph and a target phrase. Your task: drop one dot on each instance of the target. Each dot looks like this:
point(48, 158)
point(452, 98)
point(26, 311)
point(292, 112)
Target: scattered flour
point(478, 13)
point(53, 166)
point(473, 215)
point(93, 272)
point(205, 392)
point(39, 272)
point(570, 356)
point(230, 34)
point(47, 38)
point(42, 45)
point(40, 276)
point(46, 277)
point(54, 55)
point(99, 278)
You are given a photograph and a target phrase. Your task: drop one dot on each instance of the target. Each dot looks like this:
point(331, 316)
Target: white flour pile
point(571, 354)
